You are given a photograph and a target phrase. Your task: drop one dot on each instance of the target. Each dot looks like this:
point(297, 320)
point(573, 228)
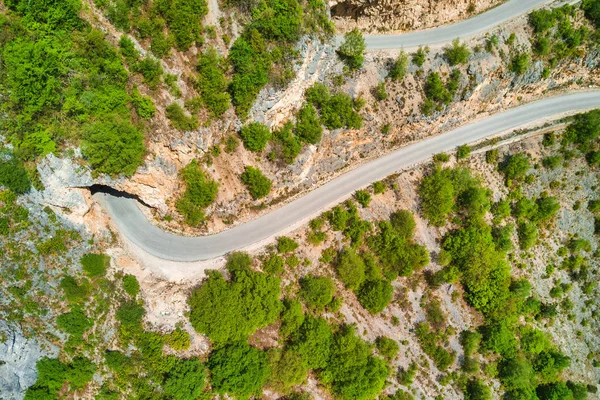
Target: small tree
point(457, 53)
point(463, 151)
point(255, 136)
point(398, 71)
point(352, 50)
point(258, 184)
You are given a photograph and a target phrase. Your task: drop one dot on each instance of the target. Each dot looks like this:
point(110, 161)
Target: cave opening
point(98, 188)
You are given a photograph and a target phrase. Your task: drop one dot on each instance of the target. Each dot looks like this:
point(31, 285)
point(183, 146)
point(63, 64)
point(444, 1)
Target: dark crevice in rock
point(96, 188)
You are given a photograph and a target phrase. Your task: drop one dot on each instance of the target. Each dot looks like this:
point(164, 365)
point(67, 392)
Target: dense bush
point(515, 167)
point(387, 347)
point(528, 234)
point(308, 128)
point(212, 82)
point(200, 192)
point(258, 185)
point(375, 295)
point(74, 322)
point(428, 340)
point(95, 264)
point(238, 369)
point(74, 291)
point(399, 68)
point(230, 311)
point(584, 128)
point(255, 136)
point(592, 11)
point(14, 176)
point(519, 63)
point(312, 341)
point(292, 318)
point(352, 49)
point(53, 374)
point(353, 372)
point(317, 292)
point(131, 285)
point(180, 121)
point(337, 110)
point(287, 369)
point(457, 53)
point(350, 268)
point(185, 379)
point(113, 147)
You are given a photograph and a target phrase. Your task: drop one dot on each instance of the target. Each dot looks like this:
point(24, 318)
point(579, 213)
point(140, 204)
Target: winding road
point(464, 29)
point(134, 226)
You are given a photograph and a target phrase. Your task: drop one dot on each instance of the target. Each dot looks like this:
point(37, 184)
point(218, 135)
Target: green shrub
point(515, 167)
point(308, 128)
point(130, 313)
point(74, 291)
point(363, 198)
point(437, 197)
point(179, 120)
point(185, 380)
point(463, 152)
point(313, 342)
point(258, 184)
point(519, 63)
point(131, 285)
point(584, 128)
point(379, 187)
point(151, 70)
point(387, 347)
point(74, 322)
point(238, 369)
point(353, 372)
point(470, 342)
point(178, 339)
point(212, 82)
point(317, 292)
point(95, 265)
point(350, 268)
point(249, 301)
point(287, 369)
point(286, 244)
point(399, 68)
point(352, 49)
point(288, 144)
point(592, 11)
point(255, 136)
point(14, 176)
point(477, 390)
point(273, 264)
point(419, 57)
point(375, 295)
point(428, 340)
point(200, 192)
point(142, 104)
point(113, 147)
point(441, 158)
point(336, 111)
point(457, 53)
point(292, 318)
point(528, 234)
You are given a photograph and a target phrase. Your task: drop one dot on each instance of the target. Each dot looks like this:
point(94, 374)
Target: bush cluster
point(200, 192)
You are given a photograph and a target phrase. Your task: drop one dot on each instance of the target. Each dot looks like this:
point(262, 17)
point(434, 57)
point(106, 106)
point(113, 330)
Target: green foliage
point(313, 342)
point(14, 176)
point(477, 390)
point(308, 128)
point(52, 375)
point(113, 147)
point(130, 314)
point(287, 369)
point(288, 144)
point(388, 348)
point(379, 187)
point(212, 82)
point(534, 341)
point(399, 68)
point(350, 268)
point(179, 120)
point(499, 338)
point(541, 20)
point(185, 379)
point(94, 264)
point(336, 111)
point(316, 291)
point(436, 93)
point(584, 128)
point(178, 339)
point(363, 197)
point(200, 192)
point(352, 50)
point(131, 285)
point(255, 136)
point(437, 197)
point(419, 57)
point(353, 372)
point(516, 374)
point(142, 104)
point(273, 264)
point(74, 291)
point(258, 184)
point(457, 53)
point(515, 167)
point(428, 340)
point(74, 322)
point(592, 11)
point(470, 342)
point(549, 364)
point(528, 234)
point(230, 311)
point(151, 70)
point(519, 63)
point(292, 318)
point(375, 295)
point(238, 369)
point(463, 152)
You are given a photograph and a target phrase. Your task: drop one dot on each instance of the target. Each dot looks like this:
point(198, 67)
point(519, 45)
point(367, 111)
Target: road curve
point(133, 224)
point(464, 29)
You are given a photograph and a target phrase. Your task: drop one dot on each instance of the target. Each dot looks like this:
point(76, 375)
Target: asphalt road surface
point(464, 29)
point(133, 224)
